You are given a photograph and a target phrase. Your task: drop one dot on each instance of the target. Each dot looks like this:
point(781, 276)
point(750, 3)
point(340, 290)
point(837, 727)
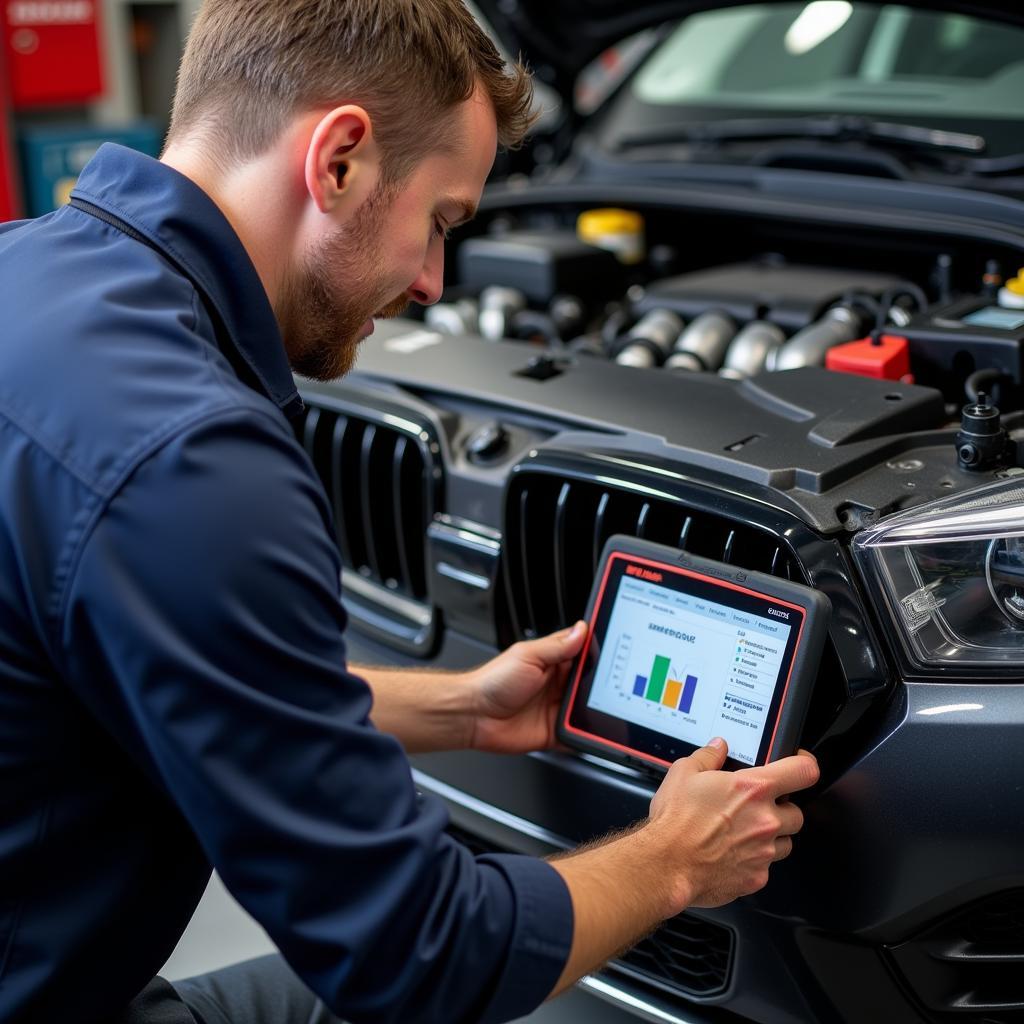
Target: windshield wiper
point(840, 128)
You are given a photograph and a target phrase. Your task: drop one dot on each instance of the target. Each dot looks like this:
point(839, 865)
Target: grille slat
point(684, 533)
point(529, 619)
point(727, 548)
point(641, 522)
point(340, 520)
point(417, 513)
point(561, 516)
point(366, 489)
point(398, 515)
point(309, 434)
point(599, 529)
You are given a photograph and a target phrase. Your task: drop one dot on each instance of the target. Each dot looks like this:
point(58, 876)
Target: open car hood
point(560, 37)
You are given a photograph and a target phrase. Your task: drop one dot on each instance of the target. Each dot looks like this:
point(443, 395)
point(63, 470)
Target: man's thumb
point(556, 647)
point(711, 757)
point(574, 634)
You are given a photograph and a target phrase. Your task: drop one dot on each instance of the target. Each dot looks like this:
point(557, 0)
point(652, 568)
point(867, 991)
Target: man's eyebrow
point(467, 210)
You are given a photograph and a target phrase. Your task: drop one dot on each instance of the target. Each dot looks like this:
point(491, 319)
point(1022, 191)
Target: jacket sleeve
point(202, 625)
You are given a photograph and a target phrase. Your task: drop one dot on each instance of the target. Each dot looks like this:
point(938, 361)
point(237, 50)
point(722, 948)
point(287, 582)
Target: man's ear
point(342, 160)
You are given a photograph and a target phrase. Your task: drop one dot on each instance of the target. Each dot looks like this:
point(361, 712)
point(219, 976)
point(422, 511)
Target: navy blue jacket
point(173, 687)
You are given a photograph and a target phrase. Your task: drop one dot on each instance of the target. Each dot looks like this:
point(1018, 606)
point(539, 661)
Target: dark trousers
point(261, 991)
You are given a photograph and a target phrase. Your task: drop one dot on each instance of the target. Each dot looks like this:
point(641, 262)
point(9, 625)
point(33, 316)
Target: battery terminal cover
point(886, 357)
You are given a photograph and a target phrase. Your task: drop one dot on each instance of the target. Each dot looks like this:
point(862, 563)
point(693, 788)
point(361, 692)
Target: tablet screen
point(677, 657)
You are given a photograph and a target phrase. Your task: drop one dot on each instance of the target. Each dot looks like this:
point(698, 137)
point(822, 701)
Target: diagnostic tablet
point(681, 649)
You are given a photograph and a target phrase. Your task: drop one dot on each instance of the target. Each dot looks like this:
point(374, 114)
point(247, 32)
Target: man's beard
point(320, 327)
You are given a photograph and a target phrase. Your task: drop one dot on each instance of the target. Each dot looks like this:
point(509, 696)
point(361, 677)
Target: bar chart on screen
point(652, 684)
point(662, 686)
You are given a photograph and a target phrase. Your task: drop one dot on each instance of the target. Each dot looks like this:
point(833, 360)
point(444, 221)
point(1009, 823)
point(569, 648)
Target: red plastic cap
point(888, 359)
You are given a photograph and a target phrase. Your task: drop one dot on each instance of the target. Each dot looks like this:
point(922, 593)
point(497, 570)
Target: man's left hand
point(518, 693)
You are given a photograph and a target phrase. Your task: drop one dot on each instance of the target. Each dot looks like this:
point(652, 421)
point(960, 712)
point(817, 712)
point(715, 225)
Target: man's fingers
point(783, 848)
point(791, 819)
point(791, 774)
point(707, 759)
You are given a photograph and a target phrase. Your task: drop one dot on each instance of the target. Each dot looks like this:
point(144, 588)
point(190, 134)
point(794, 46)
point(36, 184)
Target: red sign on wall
point(9, 206)
point(53, 52)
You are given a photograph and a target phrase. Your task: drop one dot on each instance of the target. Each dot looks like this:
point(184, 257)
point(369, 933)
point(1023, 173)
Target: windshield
point(888, 62)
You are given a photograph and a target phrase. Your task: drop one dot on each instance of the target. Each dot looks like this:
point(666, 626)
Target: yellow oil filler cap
point(1012, 292)
point(618, 231)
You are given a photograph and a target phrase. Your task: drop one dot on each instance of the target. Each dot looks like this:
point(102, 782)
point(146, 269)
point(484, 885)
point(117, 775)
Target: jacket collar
point(188, 228)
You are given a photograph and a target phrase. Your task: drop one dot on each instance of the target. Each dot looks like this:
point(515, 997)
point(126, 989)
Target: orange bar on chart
point(672, 690)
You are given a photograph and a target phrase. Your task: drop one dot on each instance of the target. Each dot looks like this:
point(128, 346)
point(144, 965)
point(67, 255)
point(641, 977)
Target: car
point(764, 304)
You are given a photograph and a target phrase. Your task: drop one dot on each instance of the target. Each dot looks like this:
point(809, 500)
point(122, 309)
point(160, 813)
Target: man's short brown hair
point(250, 65)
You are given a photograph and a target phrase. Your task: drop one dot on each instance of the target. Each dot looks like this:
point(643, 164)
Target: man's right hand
point(723, 830)
point(711, 837)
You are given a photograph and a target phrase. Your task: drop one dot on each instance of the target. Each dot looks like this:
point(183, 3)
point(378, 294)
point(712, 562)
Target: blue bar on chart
point(639, 686)
point(689, 688)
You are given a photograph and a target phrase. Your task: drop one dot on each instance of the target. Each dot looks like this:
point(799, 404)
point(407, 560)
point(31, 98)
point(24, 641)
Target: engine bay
point(602, 289)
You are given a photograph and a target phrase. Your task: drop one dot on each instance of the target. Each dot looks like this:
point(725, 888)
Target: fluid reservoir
point(618, 231)
point(1011, 294)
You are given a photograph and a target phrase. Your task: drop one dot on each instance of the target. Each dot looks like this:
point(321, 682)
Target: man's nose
point(429, 283)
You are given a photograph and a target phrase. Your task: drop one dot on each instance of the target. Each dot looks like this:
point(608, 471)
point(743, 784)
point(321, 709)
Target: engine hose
point(887, 304)
point(906, 288)
point(613, 326)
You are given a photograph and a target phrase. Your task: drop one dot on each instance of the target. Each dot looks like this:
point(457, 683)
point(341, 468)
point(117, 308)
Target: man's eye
point(440, 231)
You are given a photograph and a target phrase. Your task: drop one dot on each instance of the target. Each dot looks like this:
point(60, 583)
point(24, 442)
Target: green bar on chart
point(659, 674)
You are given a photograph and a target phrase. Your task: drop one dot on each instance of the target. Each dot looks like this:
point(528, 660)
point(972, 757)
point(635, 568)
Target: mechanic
point(174, 693)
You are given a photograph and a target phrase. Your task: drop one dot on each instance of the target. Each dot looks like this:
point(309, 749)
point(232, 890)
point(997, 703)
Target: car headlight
point(952, 573)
